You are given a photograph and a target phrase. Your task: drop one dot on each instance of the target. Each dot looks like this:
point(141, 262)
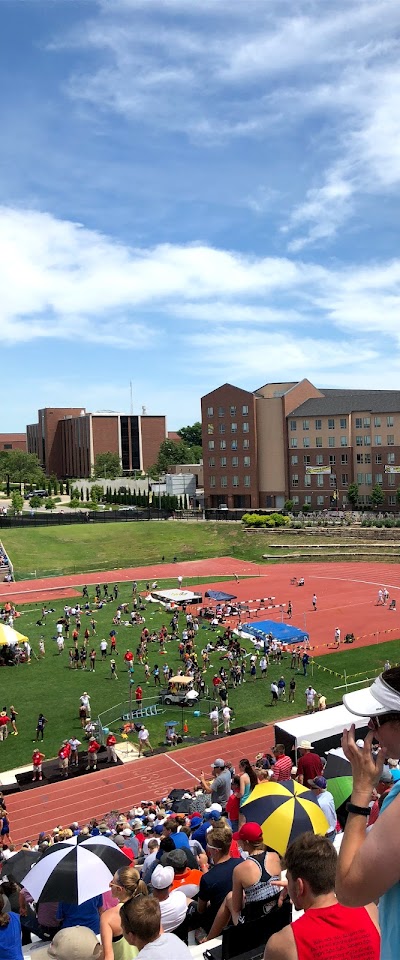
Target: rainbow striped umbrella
point(284, 811)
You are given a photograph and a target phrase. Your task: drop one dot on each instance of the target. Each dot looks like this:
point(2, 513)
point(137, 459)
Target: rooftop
point(350, 401)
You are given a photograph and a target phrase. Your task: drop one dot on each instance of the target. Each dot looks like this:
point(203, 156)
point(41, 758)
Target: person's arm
point(300, 776)
point(206, 786)
point(242, 784)
point(106, 934)
point(281, 946)
point(240, 879)
point(368, 864)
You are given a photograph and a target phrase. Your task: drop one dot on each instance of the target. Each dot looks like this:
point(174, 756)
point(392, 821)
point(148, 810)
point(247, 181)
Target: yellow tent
point(10, 637)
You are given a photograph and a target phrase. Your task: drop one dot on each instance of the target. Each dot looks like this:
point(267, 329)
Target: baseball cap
point(158, 829)
point(249, 831)
point(72, 943)
point(212, 815)
point(119, 840)
point(318, 782)
point(162, 877)
point(194, 822)
point(379, 698)
point(218, 762)
point(127, 832)
point(175, 858)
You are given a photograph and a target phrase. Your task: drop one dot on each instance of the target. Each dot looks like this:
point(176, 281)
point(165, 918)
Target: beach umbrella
point(19, 864)
point(341, 789)
point(284, 811)
point(75, 870)
point(9, 637)
point(337, 765)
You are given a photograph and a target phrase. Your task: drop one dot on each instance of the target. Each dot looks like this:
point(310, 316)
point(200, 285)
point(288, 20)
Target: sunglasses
point(374, 723)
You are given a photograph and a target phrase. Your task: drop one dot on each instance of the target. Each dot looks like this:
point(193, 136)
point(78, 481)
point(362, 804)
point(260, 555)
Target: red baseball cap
point(249, 831)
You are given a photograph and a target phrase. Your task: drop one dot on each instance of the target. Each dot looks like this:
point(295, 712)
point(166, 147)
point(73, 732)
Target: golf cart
point(179, 693)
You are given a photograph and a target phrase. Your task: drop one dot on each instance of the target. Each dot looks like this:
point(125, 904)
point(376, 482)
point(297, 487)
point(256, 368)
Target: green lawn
point(50, 686)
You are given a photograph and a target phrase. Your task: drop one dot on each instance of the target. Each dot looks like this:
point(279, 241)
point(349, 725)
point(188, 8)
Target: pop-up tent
point(220, 596)
point(323, 729)
point(10, 637)
point(284, 632)
point(175, 596)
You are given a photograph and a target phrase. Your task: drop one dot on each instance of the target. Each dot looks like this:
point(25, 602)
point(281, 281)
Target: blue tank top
point(10, 939)
point(389, 904)
point(247, 792)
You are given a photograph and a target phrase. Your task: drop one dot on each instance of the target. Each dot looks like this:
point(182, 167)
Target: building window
point(212, 481)
point(210, 411)
point(245, 410)
point(344, 458)
point(367, 458)
point(221, 428)
point(319, 459)
point(358, 423)
point(359, 442)
point(211, 444)
point(331, 442)
point(378, 458)
point(211, 461)
point(331, 424)
point(343, 441)
point(320, 480)
point(318, 441)
point(234, 444)
point(306, 441)
point(379, 478)
point(390, 439)
point(295, 479)
point(378, 440)
point(246, 461)
point(293, 442)
point(306, 460)
point(390, 458)
point(210, 428)
point(360, 458)
point(306, 424)
point(222, 444)
point(294, 460)
point(293, 425)
point(245, 427)
point(389, 421)
point(377, 421)
point(233, 427)
point(392, 480)
point(246, 444)
point(296, 500)
point(367, 440)
point(235, 461)
point(247, 480)
point(233, 411)
point(360, 477)
point(320, 500)
point(224, 481)
point(221, 412)
point(235, 481)
point(343, 423)
point(223, 461)
point(368, 479)
point(318, 424)
point(307, 499)
point(332, 480)
point(367, 421)
point(332, 459)
point(345, 479)
point(307, 480)
point(391, 500)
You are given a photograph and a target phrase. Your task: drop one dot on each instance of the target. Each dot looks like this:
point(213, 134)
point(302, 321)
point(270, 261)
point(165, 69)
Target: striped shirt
point(282, 768)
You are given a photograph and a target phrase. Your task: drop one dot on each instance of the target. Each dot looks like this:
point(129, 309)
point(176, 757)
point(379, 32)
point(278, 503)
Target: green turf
point(50, 686)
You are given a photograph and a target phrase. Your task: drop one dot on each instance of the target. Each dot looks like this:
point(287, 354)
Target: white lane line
point(185, 770)
point(371, 583)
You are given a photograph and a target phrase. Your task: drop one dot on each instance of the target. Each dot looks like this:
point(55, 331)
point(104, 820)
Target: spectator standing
point(326, 802)
point(4, 721)
point(110, 745)
point(310, 699)
point(220, 786)
point(226, 715)
point(292, 690)
point(74, 758)
point(274, 694)
point(309, 764)
point(93, 749)
point(282, 688)
point(144, 741)
point(282, 768)
point(326, 928)
point(37, 760)
point(214, 717)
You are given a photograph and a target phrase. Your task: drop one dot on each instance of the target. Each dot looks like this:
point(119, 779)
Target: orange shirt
point(189, 876)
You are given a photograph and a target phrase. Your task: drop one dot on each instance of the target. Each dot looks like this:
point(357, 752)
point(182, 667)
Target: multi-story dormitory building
point(257, 445)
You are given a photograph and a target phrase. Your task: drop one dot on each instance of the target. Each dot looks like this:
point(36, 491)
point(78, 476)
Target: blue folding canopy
point(285, 632)
point(219, 595)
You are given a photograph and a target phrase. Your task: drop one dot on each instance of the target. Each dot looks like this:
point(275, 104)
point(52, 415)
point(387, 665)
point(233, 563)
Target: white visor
point(375, 700)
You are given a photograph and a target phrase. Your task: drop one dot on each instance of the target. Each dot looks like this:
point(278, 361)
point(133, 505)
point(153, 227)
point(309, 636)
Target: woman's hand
point(366, 770)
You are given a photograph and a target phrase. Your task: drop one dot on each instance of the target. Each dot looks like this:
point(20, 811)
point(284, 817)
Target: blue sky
point(195, 191)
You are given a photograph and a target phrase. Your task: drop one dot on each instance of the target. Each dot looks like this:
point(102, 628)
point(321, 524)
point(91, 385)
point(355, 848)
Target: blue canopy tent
point(284, 632)
point(219, 595)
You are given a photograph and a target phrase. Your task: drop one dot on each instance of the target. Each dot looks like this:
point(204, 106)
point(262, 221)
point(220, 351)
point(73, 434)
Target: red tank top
point(336, 933)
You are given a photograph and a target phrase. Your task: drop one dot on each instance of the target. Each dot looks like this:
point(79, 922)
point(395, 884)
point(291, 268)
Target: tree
point(20, 467)
point(173, 452)
point(353, 494)
point(107, 466)
point(289, 505)
point(17, 502)
point(191, 435)
point(377, 496)
point(398, 494)
point(96, 493)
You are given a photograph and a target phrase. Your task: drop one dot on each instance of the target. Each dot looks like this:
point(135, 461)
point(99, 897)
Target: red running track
point(121, 787)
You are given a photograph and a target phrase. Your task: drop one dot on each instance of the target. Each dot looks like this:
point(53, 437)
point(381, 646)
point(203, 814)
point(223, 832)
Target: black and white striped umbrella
point(75, 870)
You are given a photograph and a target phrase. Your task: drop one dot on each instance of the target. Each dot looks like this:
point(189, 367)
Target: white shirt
point(103, 645)
point(173, 911)
point(59, 628)
point(327, 804)
point(274, 688)
point(167, 945)
point(263, 663)
point(310, 695)
point(85, 700)
point(226, 713)
point(143, 734)
point(74, 743)
point(214, 715)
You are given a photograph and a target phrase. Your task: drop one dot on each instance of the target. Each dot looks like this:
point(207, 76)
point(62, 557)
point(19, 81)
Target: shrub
point(35, 502)
point(49, 504)
point(74, 503)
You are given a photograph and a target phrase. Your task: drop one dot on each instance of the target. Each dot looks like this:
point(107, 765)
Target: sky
point(194, 192)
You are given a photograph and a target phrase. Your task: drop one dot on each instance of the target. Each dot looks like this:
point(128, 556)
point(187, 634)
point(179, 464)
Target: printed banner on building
point(389, 469)
point(316, 471)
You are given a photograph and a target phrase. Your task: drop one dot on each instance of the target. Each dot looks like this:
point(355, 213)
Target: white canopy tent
point(177, 597)
point(323, 729)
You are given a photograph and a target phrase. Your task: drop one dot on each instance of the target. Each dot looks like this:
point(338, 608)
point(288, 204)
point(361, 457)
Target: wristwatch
point(360, 811)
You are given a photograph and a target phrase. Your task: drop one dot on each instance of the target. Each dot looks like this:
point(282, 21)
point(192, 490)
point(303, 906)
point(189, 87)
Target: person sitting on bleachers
point(173, 903)
point(186, 878)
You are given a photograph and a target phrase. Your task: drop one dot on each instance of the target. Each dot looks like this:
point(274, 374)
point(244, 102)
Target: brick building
point(67, 440)
point(13, 441)
point(257, 446)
